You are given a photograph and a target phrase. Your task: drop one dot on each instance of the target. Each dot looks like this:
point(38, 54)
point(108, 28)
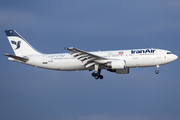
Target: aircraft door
point(135, 56)
point(158, 54)
point(44, 61)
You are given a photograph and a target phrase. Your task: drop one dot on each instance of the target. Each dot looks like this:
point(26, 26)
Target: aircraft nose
point(175, 57)
point(172, 57)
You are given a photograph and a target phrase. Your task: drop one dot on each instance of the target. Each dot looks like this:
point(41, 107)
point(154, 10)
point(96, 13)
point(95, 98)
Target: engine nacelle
point(122, 71)
point(116, 64)
point(119, 71)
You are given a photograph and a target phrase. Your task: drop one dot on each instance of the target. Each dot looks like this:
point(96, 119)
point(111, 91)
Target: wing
point(88, 59)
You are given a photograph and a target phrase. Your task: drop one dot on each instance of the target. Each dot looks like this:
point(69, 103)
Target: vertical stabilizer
point(19, 45)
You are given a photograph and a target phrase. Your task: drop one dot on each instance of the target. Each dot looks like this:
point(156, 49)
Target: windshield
point(169, 53)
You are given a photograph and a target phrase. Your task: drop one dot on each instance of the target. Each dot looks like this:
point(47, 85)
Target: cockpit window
point(169, 53)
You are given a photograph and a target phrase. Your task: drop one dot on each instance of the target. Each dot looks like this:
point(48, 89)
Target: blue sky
point(32, 93)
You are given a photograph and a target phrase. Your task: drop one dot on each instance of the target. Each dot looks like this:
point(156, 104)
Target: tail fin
point(19, 45)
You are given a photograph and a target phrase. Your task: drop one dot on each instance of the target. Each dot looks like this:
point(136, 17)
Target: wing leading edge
point(88, 59)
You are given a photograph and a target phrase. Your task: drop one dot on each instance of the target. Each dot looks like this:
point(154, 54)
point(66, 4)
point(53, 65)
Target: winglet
point(65, 48)
point(68, 48)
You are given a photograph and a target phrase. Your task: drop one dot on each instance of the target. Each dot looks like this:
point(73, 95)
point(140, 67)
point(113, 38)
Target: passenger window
point(168, 52)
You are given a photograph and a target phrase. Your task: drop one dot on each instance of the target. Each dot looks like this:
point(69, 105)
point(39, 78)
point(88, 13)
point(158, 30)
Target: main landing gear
point(157, 71)
point(97, 75)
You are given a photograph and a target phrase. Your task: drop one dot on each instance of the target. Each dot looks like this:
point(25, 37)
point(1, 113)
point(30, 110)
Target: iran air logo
point(17, 44)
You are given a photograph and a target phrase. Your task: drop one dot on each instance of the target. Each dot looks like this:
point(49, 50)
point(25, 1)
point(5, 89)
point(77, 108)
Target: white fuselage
point(133, 58)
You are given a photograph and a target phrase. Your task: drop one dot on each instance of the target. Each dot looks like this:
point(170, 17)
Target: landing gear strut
point(97, 75)
point(157, 71)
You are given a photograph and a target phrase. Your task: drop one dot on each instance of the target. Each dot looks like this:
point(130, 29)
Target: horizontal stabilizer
point(23, 59)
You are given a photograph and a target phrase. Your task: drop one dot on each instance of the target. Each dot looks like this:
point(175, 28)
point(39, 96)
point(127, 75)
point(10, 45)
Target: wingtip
point(68, 48)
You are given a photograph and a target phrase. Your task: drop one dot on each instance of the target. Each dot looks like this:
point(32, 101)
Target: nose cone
point(174, 57)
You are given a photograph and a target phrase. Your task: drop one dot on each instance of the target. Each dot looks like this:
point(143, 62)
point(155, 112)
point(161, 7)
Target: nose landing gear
point(157, 71)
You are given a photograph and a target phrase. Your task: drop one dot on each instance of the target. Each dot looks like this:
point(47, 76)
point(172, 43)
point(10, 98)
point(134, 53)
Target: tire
point(93, 74)
point(101, 77)
point(96, 77)
point(156, 71)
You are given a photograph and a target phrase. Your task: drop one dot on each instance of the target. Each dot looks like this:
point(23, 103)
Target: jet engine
point(119, 71)
point(116, 64)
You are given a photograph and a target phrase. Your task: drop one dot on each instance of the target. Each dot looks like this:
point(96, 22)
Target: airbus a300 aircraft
point(118, 61)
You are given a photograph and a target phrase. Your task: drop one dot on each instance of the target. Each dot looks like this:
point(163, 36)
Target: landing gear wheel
point(93, 74)
point(96, 77)
point(156, 71)
point(97, 74)
point(101, 77)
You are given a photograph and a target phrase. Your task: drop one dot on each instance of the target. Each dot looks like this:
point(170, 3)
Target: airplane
point(117, 61)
